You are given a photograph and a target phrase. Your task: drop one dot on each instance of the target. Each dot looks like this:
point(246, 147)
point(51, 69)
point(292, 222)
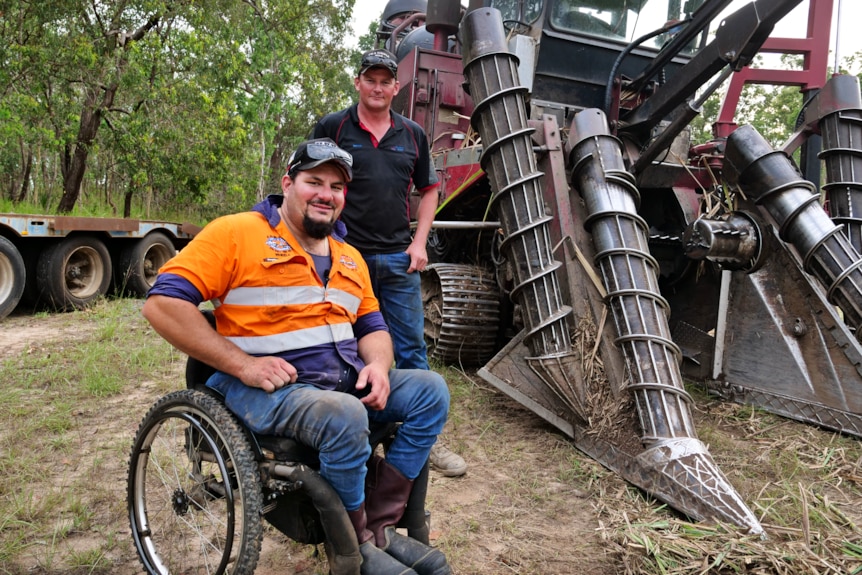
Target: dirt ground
point(530, 503)
point(510, 513)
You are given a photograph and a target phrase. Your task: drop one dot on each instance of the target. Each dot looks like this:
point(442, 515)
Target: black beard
point(317, 230)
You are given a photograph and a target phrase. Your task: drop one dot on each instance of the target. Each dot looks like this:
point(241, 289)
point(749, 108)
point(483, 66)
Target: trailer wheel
point(140, 263)
point(73, 273)
point(12, 277)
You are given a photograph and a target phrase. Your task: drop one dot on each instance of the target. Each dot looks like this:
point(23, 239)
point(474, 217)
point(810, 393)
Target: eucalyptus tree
point(186, 100)
point(24, 117)
point(302, 72)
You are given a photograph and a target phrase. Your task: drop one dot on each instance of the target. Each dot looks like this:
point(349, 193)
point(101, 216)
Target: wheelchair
point(200, 485)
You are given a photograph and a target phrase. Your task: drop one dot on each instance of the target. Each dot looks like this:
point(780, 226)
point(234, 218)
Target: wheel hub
point(180, 502)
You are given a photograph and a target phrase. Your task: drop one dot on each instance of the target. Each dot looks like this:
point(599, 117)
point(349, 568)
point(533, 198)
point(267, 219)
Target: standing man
point(390, 153)
point(301, 349)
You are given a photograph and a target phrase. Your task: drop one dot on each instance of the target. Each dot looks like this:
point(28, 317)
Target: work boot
point(446, 462)
point(375, 561)
point(386, 494)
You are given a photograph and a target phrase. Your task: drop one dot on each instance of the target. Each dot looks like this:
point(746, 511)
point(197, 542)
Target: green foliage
point(57, 510)
point(368, 40)
point(164, 104)
point(772, 110)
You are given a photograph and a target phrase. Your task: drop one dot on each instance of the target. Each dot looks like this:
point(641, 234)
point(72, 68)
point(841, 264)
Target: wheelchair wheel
point(194, 491)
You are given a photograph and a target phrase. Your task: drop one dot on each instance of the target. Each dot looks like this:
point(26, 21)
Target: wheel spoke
point(188, 525)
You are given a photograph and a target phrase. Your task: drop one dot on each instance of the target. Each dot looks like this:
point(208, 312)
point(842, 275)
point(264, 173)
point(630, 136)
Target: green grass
point(60, 469)
point(68, 425)
point(98, 210)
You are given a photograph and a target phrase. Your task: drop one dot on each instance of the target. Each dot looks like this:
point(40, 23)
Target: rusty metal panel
point(189, 229)
point(431, 94)
point(788, 351)
point(69, 223)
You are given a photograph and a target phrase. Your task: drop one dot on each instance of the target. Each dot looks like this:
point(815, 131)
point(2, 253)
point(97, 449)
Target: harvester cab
point(588, 256)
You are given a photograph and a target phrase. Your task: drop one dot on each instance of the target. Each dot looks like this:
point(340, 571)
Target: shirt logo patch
point(347, 262)
point(397, 148)
point(278, 244)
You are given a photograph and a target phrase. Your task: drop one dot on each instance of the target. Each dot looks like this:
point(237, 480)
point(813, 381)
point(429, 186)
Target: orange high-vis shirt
point(267, 297)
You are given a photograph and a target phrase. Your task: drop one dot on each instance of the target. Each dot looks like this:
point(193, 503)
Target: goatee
point(317, 230)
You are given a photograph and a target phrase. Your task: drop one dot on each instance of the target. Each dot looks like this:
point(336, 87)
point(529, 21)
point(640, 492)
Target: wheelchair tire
point(194, 491)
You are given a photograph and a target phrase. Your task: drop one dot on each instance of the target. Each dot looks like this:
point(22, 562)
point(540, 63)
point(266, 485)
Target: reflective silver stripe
point(294, 339)
point(261, 296)
point(343, 299)
point(258, 296)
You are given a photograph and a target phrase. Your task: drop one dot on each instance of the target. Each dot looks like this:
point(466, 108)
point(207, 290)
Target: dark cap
point(313, 153)
point(379, 58)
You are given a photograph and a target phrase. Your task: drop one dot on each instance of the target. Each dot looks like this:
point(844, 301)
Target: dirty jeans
point(336, 423)
point(400, 296)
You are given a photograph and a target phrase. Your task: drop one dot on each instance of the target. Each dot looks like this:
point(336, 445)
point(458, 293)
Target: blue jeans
point(336, 423)
point(400, 297)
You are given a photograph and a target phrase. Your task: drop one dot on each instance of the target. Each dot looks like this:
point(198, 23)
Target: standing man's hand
point(418, 257)
point(424, 219)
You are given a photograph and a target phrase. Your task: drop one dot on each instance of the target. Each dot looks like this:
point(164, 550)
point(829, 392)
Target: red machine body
point(574, 205)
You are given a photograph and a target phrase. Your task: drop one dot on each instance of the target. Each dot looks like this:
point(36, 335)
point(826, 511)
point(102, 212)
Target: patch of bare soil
point(511, 513)
point(24, 332)
point(529, 504)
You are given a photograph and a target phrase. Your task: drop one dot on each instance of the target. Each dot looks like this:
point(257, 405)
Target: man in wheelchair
point(301, 350)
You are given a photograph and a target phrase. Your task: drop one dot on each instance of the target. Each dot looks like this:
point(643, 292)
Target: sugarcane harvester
point(582, 238)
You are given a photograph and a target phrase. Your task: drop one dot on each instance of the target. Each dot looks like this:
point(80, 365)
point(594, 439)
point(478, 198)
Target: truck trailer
point(68, 262)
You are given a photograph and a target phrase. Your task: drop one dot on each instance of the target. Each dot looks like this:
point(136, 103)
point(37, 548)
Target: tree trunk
point(108, 198)
point(19, 181)
point(277, 161)
point(127, 203)
point(75, 163)
point(91, 117)
point(25, 179)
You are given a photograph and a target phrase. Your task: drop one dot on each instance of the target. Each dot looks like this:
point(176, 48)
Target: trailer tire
point(13, 277)
point(140, 262)
point(73, 273)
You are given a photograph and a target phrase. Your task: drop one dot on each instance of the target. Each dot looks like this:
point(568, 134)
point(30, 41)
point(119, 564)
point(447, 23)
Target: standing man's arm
point(426, 181)
point(424, 218)
point(183, 325)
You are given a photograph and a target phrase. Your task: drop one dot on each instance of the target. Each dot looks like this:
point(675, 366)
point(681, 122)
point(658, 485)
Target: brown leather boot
point(386, 494)
point(375, 561)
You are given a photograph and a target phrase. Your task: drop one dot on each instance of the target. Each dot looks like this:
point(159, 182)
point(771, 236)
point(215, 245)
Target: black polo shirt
point(377, 208)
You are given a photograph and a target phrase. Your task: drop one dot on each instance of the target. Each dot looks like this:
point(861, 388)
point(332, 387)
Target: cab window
point(523, 11)
point(624, 20)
